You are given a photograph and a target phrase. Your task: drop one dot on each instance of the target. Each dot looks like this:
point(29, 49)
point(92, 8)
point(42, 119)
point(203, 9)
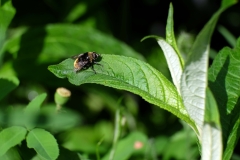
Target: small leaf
point(6, 14)
point(7, 85)
point(170, 37)
point(128, 74)
point(43, 143)
point(35, 104)
point(32, 110)
point(10, 137)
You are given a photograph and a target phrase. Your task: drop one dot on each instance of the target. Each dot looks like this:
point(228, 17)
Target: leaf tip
point(150, 36)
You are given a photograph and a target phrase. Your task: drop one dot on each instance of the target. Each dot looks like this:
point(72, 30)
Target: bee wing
point(76, 56)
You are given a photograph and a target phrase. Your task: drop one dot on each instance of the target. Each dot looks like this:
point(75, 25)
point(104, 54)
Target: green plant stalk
point(97, 148)
point(117, 132)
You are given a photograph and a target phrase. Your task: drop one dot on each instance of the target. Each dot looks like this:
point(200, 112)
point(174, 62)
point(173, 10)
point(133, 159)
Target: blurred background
point(45, 32)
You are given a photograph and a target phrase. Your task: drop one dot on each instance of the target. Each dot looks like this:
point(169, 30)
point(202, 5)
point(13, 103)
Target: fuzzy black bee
point(85, 60)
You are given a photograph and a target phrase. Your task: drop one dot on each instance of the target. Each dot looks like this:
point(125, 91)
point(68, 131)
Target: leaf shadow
point(219, 90)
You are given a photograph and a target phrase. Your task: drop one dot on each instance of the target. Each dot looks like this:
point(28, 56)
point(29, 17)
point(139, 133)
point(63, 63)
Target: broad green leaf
point(10, 137)
point(43, 143)
point(86, 138)
point(6, 14)
point(127, 74)
point(32, 110)
point(11, 154)
point(7, 85)
point(170, 37)
point(194, 77)
point(58, 121)
point(212, 135)
point(224, 82)
point(134, 142)
point(57, 41)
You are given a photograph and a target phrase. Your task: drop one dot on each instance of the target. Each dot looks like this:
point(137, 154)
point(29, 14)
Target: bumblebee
point(85, 60)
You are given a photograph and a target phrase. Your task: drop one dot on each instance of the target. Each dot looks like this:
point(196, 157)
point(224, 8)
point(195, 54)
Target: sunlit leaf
point(194, 77)
point(127, 74)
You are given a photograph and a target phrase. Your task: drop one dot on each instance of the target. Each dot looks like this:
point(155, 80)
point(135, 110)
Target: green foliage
point(32, 109)
point(124, 73)
point(134, 143)
point(7, 86)
point(205, 99)
point(43, 143)
point(10, 137)
point(225, 85)
point(6, 14)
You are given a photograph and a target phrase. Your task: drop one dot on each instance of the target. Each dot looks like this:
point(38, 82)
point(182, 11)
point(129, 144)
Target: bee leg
point(98, 64)
point(94, 70)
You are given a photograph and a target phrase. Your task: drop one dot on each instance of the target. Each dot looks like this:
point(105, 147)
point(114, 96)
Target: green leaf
point(224, 82)
point(6, 14)
point(43, 143)
point(11, 154)
point(127, 74)
point(32, 110)
point(211, 111)
point(212, 134)
point(58, 121)
point(57, 41)
point(10, 137)
point(194, 77)
point(7, 85)
point(180, 145)
point(134, 142)
point(174, 62)
point(170, 37)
